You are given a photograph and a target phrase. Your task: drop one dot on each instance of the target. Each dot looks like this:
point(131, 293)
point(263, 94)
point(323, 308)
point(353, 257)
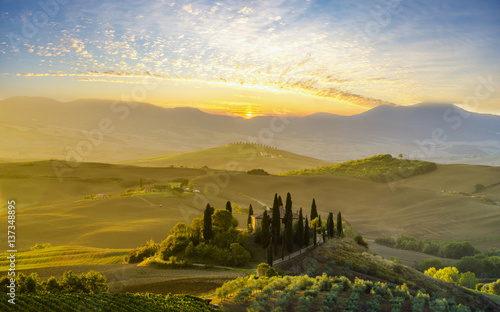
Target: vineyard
point(327, 293)
point(104, 302)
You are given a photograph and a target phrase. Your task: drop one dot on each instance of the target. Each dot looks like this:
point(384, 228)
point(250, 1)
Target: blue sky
point(250, 57)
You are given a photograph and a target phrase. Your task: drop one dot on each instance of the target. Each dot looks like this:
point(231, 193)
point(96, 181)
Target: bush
point(145, 251)
point(257, 172)
point(361, 241)
point(41, 246)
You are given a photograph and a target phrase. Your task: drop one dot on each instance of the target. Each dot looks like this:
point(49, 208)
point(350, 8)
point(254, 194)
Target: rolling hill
point(425, 206)
point(237, 156)
point(442, 133)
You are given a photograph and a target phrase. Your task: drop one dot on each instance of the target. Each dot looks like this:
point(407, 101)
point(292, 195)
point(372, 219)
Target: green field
point(64, 256)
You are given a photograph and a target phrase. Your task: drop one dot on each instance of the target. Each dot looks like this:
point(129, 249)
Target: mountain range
point(102, 130)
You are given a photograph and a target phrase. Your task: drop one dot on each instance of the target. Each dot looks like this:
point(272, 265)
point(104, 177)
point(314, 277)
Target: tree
point(400, 156)
point(228, 207)
point(314, 211)
point(276, 221)
point(196, 228)
point(280, 201)
point(265, 237)
point(468, 280)
point(315, 236)
point(250, 214)
point(270, 253)
point(340, 230)
point(140, 183)
point(288, 207)
point(306, 233)
point(320, 224)
point(300, 230)
point(289, 233)
point(207, 224)
point(191, 186)
point(330, 225)
point(224, 228)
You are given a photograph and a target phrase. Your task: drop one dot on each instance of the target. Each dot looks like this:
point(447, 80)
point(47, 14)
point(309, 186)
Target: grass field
point(52, 211)
point(63, 256)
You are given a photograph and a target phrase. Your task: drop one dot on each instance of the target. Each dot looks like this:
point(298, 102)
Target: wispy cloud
point(314, 48)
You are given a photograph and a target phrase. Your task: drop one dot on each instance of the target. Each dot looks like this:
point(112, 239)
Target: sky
point(251, 58)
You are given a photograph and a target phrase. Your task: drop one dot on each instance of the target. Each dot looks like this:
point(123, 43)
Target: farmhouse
point(257, 218)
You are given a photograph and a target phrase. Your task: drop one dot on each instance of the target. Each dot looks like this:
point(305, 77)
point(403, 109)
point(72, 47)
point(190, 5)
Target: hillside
point(54, 129)
point(415, 206)
point(343, 276)
point(379, 168)
point(236, 156)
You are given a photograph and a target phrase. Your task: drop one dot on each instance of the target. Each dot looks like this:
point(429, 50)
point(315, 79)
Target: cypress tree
point(280, 201)
point(300, 230)
point(228, 207)
point(314, 211)
point(315, 238)
point(249, 219)
point(331, 228)
point(324, 236)
point(306, 233)
point(283, 247)
point(276, 222)
point(320, 223)
point(207, 224)
point(270, 254)
point(289, 233)
point(265, 237)
point(340, 231)
point(288, 206)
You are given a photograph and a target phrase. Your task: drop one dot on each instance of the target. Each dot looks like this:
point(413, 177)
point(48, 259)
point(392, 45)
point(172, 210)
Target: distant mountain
point(41, 128)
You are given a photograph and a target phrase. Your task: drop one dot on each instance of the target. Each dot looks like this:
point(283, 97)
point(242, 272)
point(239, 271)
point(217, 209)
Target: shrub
point(257, 172)
point(41, 246)
point(145, 251)
point(361, 241)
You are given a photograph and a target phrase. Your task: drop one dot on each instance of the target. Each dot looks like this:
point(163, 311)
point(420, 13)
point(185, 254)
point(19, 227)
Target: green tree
point(280, 201)
point(306, 233)
point(288, 207)
point(224, 228)
point(300, 230)
point(340, 230)
point(265, 235)
point(207, 224)
point(249, 219)
point(229, 207)
point(270, 253)
point(191, 186)
point(468, 280)
point(315, 236)
point(276, 221)
point(195, 230)
point(140, 183)
point(289, 233)
point(314, 211)
point(331, 226)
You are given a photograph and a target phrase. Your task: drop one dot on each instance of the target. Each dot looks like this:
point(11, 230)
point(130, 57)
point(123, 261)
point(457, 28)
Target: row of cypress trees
point(271, 227)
